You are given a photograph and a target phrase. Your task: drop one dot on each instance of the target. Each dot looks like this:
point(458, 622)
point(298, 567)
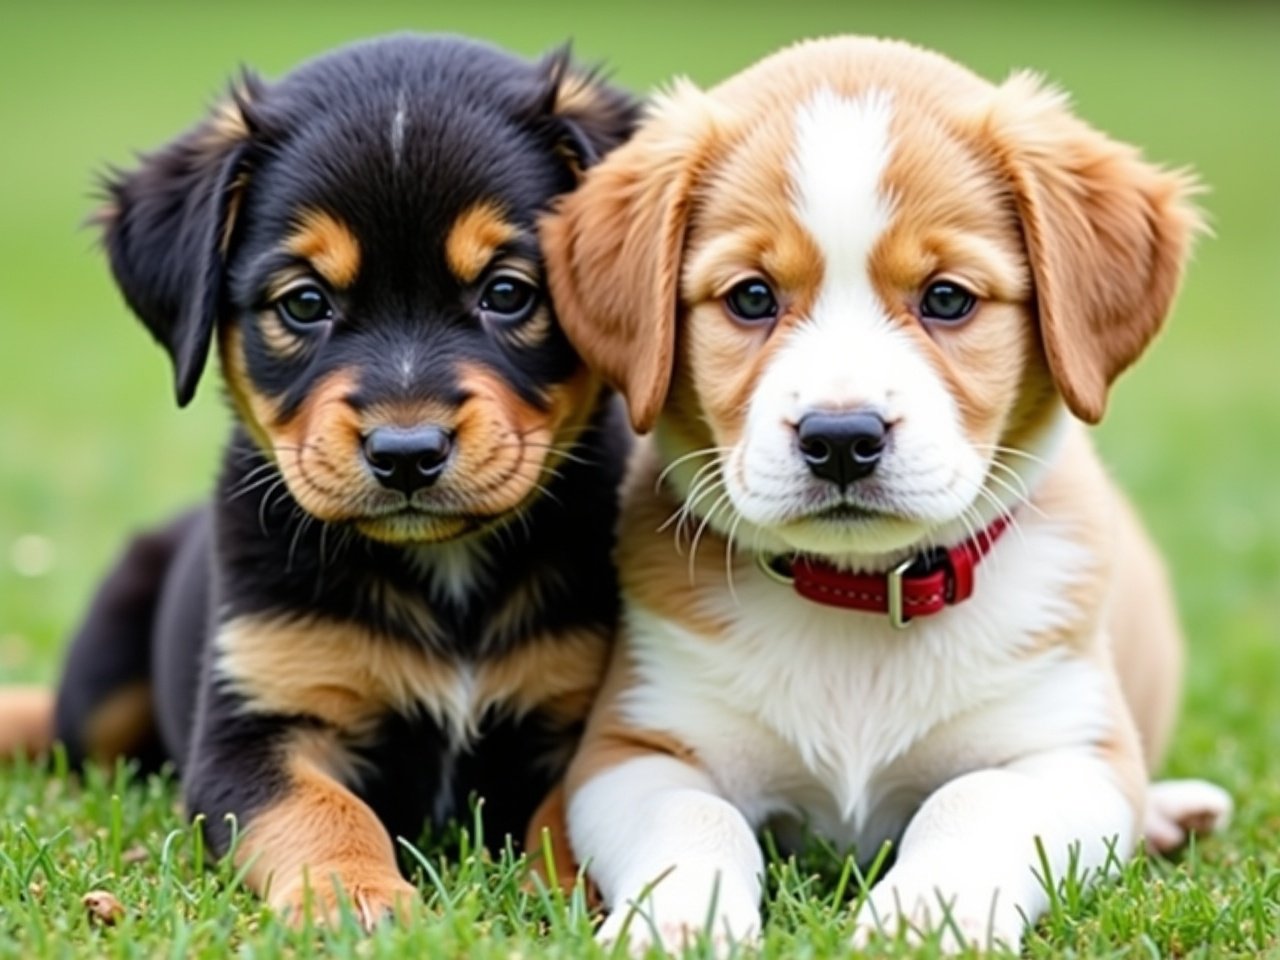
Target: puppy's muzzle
point(408, 459)
point(842, 447)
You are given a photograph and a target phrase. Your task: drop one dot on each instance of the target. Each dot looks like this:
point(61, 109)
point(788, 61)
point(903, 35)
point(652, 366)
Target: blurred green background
point(91, 446)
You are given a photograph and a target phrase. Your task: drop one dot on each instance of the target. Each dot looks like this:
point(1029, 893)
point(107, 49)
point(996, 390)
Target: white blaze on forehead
point(846, 349)
point(842, 150)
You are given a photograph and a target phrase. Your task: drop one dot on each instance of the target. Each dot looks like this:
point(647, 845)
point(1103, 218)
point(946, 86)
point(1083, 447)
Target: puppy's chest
point(461, 615)
point(835, 715)
point(468, 646)
point(393, 647)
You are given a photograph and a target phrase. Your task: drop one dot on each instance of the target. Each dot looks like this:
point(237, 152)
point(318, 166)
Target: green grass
point(91, 447)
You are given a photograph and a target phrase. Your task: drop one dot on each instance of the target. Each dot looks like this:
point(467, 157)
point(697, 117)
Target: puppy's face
point(858, 331)
point(382, 321)
point(872, 273)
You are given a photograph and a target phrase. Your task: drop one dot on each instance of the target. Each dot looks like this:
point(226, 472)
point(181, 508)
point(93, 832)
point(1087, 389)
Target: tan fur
point(1124, 599)
point(561, 670)
point(225, 129)
point(577, 93)
point(235, 197)
point(475, 238)
point(342, 674)
point(609, 740)
point(508, 444)
point(26, 721)
point(659, 567)
point(1108, 236)
point(227, 124)
point(616, 294)
point(252, 408)
point(329, 245)
point(1147, 638)
point(319, 839)
point(279, 339)
point(348, 676)
point(547, 826)
point(119, 725)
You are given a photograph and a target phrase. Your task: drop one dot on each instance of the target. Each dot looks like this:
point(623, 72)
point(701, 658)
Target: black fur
point(194, 239)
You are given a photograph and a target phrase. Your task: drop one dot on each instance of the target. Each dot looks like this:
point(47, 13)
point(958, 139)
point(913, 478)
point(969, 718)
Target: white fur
point(842, 149)
point(453, 568)
point(1176, 808)
point(680, 848)
point(801, 712)
point(396, 135)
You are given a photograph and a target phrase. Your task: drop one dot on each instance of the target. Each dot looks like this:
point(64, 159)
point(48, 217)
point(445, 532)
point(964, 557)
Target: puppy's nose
point(407, 459)
point(842, 447)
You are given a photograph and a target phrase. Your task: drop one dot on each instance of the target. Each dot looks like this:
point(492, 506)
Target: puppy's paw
point(671, 924)
point(372, 900)
point(917, 913)
point(1176, 809)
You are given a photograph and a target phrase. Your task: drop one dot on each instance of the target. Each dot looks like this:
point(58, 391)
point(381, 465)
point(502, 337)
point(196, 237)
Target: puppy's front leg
point(320, 843)
point(306, 841)
point(670, 855)
point(280, 701)
point(968, 864)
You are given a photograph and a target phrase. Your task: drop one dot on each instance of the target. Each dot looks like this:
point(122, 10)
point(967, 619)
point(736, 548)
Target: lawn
point(92, 447)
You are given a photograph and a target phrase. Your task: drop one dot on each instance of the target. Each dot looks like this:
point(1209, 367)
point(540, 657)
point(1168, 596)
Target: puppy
point(401, 593)
point(874, 577)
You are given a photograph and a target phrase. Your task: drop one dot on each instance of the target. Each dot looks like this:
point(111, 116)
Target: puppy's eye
point(305, 305)
point(752, 301)
point(947, 301)
point(508, 298)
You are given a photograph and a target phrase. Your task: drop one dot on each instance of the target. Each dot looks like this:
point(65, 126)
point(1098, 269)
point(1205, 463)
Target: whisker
point(1012, 519)
point(697, 537)
point(253, 482)
point(698, 480)
point(1013, 475)
point(297, 534)
point(566, 452)
point(1011, 451)
point(1018, 497)
point(546, 492)
point(729, 558)
point(704, 452)
point(709, 487)
point(262, 504)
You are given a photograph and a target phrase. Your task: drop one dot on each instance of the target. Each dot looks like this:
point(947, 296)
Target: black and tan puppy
point(401, 592)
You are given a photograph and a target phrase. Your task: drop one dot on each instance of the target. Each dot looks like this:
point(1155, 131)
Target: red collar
point(923, 584)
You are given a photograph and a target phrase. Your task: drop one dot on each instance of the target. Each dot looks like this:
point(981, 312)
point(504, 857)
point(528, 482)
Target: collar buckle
point(897, 616)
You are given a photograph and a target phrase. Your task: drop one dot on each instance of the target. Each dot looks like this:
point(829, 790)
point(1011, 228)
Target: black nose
point(407, 459)
point(842, 447)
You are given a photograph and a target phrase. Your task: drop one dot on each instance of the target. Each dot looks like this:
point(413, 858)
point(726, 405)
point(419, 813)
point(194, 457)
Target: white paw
point(672, 922)
point(1178, 808)
point(918, 913)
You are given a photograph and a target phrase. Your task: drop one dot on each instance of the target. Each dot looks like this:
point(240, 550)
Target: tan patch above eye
point(474, 238)
point(278, 338)
point(329, 245)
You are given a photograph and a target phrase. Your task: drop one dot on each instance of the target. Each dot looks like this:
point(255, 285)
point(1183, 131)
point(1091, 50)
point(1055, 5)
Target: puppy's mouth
point(446, 511)
point(844, 513)
point(413, 525)
point(823, 522)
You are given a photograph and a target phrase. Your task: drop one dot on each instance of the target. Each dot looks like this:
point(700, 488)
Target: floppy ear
point(167, 226)
point(590, 116)
point(614, 247)
point(1107, 235)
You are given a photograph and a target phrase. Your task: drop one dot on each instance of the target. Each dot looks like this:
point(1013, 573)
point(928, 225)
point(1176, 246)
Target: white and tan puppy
point(876, 579)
